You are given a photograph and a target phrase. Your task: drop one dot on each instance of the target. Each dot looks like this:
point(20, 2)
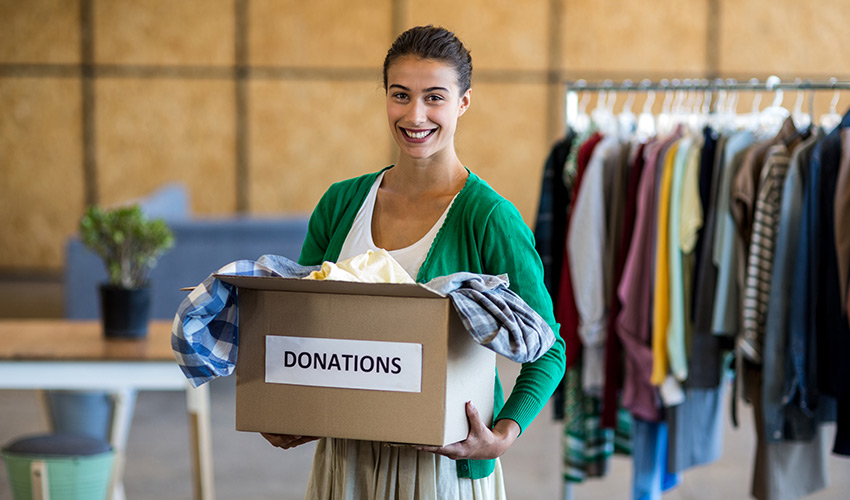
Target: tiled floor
point(246, 467)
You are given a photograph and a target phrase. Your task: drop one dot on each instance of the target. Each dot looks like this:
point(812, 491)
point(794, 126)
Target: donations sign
point(348, 364)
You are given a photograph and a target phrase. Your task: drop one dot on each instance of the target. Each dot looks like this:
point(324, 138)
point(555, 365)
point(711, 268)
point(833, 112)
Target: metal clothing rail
point(770, 84)
point(709, 87)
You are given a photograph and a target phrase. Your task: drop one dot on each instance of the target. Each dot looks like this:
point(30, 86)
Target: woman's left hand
point(482, 443)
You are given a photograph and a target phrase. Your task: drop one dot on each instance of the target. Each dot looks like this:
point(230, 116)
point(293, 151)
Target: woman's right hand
point(287, 441)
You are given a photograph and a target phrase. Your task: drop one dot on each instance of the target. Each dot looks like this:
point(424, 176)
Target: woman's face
point(423, 105)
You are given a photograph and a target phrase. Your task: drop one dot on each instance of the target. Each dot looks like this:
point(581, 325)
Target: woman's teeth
point(416, 135)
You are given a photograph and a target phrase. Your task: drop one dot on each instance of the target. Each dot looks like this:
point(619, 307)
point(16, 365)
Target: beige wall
point(257, 105)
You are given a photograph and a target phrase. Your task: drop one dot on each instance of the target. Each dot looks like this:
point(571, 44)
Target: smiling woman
point(435, 217)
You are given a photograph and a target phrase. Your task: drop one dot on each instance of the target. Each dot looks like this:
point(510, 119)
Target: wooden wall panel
point(41, 181)
point(502, 138)
point(500, 34)
point(192, 32)
point(319, 33)
point(785, 37)
point(151, 132)
point(634, 38)
point(315, 111)
point(39, 31)
point(305, 135)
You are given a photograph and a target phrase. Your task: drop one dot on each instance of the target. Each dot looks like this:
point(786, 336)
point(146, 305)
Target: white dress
point(347, 469)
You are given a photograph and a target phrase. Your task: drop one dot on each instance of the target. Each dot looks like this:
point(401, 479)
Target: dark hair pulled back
point(433, 42)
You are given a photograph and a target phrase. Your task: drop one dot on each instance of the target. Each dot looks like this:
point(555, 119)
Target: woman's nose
point(416, 112)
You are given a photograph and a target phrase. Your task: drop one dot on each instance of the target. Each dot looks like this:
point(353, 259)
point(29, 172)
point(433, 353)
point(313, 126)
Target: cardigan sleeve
point(508, 247)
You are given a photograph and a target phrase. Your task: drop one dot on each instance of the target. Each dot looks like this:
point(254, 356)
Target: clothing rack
point(770, 84)
point(709, 87)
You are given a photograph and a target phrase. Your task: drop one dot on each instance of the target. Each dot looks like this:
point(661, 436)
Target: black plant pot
point(125, 311)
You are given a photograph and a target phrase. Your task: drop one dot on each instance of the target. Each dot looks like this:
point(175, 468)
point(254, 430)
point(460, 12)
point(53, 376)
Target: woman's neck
point(431, 177)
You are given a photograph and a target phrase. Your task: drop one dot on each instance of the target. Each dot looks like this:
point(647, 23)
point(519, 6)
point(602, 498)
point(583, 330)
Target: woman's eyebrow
point(429, 89)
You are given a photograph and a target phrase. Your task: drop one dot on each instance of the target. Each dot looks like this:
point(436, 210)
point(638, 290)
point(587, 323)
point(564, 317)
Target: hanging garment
point(832, 330)
point(635, 293)
point(613, 347)
point(815, 293)
point(779, 303)
point(550, 227)
point(724, 317)
point(785, 470)
point(705, 362)
point(551, 222)
point(759, 271)
point(690, 227)
point(745, 184)
point(587, 446)
point(661, 297)
point(565, 309)
point(801, 394)
point(695, 429)
point(708, 153)
point(649, 460)
point(842, 218)
point(586, 241)
point(686, 161)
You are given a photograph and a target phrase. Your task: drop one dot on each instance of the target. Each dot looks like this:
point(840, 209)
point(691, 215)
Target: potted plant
point(130, 245)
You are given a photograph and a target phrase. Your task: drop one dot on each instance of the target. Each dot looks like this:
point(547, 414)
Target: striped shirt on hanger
point(760, 256)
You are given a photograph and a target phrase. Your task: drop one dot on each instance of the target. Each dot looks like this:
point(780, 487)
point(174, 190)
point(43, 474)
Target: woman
point(436, 218)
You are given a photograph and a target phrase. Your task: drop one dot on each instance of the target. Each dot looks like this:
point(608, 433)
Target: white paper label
point(349, 364)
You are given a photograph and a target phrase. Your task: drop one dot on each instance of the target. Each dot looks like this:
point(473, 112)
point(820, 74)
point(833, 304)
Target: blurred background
point(253, 107)
point(257, 105)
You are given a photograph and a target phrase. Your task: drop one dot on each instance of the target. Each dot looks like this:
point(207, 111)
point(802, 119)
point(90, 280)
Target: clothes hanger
point(773, 117)
point(576, 114)
point(626, 120)
point(802, 120)
point(678, 111)
point(603, 115)
point(718, 117)
point(831, 120)
point(646, 120)
point(583, 119)
point(751, 119)
point(665, 119)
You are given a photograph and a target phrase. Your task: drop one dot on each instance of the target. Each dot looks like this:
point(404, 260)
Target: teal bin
point(68, 466)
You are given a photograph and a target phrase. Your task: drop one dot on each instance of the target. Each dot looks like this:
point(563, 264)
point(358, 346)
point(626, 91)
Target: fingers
point(286, 441)
point(463, 449)
point(455, 451)
point(476, 425)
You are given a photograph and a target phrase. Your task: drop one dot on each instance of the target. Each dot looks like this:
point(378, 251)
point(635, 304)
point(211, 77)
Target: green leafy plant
point(129, 243)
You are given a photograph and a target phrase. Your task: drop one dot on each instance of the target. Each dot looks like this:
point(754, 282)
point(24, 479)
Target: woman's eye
point(400, 96)
point(434, 98)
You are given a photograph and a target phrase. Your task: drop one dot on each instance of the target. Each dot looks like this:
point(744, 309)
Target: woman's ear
point(464, 102)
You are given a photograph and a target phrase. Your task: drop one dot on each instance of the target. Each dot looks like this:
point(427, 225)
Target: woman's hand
point(286, 441)
point(481, 443)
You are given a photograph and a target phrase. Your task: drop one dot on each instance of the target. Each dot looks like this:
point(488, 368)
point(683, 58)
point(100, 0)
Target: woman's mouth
point(417, 135)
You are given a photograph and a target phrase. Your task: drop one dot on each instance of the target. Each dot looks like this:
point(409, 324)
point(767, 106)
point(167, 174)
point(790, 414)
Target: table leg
point(198, 406)
point(45, 410)
point(122, 415)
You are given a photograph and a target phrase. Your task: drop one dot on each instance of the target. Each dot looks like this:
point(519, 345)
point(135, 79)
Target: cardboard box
point(339, 359)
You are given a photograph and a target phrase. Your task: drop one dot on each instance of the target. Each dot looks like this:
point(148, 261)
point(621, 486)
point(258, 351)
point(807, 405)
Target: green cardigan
point(483, 233)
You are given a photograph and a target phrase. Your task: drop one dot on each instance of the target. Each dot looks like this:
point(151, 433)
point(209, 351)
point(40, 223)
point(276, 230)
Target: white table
point(74, 355)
